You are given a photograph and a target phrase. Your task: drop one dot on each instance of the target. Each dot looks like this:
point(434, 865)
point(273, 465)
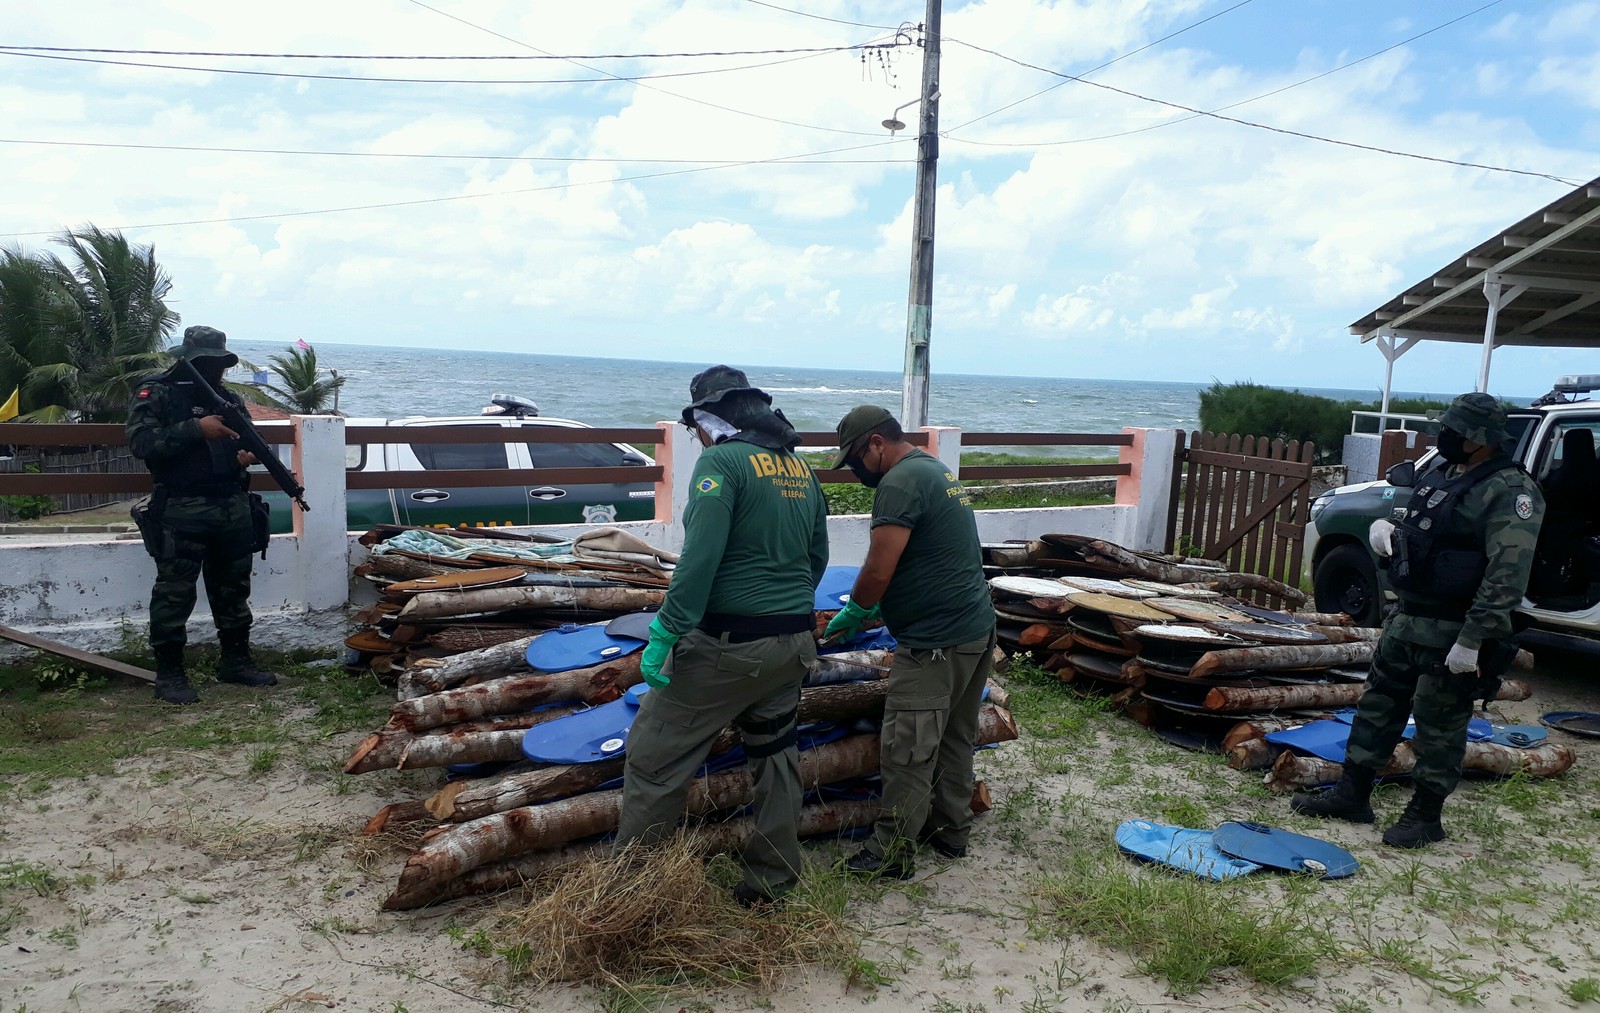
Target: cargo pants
point(754, 685)
point(1409, 679)
point(930, 722)
point(209, 536)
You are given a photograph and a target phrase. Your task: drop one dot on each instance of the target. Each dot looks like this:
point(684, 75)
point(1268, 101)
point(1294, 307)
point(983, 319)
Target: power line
point(1185, 119)
point(217, 149)
point(1277, 130)
point(809, 54)
point(649, 87)
point(1103, 66)
point(777, 160)
point(423, 56)
point(819, 17)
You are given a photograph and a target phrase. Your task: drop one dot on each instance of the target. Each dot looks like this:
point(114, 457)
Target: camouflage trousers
point(1408, 680)
point(202, 536)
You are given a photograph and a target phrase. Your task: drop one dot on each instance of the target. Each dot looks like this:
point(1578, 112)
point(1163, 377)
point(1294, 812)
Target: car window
point(575, 455)
point(1558, 433)
point(460, 456)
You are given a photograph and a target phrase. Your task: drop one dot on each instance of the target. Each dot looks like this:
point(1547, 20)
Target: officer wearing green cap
point(198, 520)
point(1458, 560)
point(923, 578)
point(733, 640)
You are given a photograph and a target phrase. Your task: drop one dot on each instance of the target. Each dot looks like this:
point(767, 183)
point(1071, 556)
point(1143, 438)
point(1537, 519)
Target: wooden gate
point(1246, 502)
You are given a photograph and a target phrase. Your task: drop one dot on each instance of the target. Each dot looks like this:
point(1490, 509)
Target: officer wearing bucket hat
point(733, 640)
point(923, 578)
point(1458, 560)
point(198, 520)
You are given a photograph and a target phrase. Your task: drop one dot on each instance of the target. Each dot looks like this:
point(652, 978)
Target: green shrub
point(27, 508)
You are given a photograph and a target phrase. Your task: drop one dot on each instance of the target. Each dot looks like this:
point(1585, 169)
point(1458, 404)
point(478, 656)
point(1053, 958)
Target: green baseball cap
point(860, 421)
point(1477, 417)
point(201, 342)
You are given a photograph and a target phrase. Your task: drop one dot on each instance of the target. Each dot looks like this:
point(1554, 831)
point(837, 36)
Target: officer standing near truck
point(1458, 560)
point(198, 521)
point(733, 640)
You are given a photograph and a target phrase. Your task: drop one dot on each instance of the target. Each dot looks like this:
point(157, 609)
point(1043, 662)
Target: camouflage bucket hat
point(716, 383)
point(200, 342)
point(1477, 417)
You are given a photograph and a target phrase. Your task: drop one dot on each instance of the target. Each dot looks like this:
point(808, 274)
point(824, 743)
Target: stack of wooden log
point(510, 818)
point(435, 606)
point(1178, 647)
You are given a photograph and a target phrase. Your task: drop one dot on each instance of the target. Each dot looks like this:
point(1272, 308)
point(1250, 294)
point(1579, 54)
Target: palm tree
point(77, 339)
point(304, 392)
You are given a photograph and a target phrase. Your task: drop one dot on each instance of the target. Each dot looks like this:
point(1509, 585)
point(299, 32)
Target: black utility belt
point(203, 491)
point(742, 629)
point(1449, 612)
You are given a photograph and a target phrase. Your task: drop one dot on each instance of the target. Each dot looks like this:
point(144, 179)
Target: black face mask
point(870, 479)
point(1453, 446)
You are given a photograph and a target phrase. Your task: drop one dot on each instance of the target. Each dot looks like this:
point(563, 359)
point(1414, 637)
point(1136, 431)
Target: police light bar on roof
point(1581, 383)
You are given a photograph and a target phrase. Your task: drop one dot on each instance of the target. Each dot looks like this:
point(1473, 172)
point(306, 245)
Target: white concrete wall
point(88, 593)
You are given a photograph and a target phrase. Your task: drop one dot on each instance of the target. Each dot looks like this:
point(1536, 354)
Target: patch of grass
point(31, 877)
point(1584, 990)
point(1180, 929)
point(264, 759)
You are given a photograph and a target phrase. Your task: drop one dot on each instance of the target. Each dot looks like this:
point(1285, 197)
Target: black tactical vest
point(210, 468)
point(1429, 559)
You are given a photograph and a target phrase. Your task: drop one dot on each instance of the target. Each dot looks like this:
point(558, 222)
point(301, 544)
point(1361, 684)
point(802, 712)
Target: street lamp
point(893, 124)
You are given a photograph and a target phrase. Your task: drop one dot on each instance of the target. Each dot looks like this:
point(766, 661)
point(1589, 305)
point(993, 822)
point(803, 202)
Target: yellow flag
point(8, 411)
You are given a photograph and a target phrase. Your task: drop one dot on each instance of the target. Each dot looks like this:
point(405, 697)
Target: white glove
point(1461, 661)
point(1381, 537)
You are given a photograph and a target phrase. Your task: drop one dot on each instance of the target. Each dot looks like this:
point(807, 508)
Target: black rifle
point(237, 420)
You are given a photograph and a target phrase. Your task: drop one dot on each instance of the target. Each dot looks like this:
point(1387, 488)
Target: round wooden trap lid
point(1097, 666)
point(370, 642)
point(465, 580)
point(1198, 611)
point(1115, 588)
point(1029, 587)
point(1266, 633)
point(1199, 636)
point(1113, 606)
point(1170, 590)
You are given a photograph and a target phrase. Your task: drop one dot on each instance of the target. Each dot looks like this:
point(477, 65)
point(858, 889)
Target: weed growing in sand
point(63, 935)
point(264, 759)
point(30, 876)
point(1584, 990)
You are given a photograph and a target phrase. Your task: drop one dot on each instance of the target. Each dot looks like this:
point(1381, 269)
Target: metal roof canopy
point(1535, 283)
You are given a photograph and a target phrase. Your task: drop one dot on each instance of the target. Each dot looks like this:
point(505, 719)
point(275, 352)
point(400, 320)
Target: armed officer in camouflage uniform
point(733, 640)
point(1458, 560)
point(198, 520)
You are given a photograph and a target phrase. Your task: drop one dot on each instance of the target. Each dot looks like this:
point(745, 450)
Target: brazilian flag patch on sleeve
point(709, 485)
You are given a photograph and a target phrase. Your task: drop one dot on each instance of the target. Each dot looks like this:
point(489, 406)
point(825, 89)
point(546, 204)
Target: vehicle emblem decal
point(1524, 506)
point(600, 513)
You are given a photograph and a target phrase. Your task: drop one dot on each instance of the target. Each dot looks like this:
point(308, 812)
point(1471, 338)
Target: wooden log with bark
point(485, 740)
point(1043, 635)
point(815, 821)
point(1252, 754)
point(1347, 634)
point(1547, 759)
point(1257, 727)
point(1244, 659)
point(438, 604)
point(504, 835)
point(596, 684)
point(398, 567)
point(432, 675)
point(1176, 573)
point(1239, 699)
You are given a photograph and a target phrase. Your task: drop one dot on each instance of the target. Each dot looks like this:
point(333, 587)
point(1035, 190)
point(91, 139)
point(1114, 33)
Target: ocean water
point(395, 382)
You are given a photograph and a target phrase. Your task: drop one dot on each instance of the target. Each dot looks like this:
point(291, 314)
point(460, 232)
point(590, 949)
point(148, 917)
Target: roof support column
point(1391, 352)
point(1498, 297)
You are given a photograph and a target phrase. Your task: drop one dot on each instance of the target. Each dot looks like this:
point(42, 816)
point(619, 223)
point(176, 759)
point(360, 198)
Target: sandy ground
point(191, 883)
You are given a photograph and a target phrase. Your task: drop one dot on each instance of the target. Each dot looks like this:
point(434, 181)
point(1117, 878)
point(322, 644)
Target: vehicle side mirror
point(1402, 475)
point(634, 459)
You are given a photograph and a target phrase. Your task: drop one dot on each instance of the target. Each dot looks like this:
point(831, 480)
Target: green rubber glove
point(851, 620)
point(656, 653)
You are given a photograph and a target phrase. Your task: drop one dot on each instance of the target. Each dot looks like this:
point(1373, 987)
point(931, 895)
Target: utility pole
point(919, 308)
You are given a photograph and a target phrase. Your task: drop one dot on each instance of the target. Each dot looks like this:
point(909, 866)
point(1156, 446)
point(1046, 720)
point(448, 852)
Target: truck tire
point(1347, 581)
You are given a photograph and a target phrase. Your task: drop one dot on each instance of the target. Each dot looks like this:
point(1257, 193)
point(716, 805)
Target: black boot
point(1350, 799)
point(172, 684)
point(1419, 825)
point(236, 664)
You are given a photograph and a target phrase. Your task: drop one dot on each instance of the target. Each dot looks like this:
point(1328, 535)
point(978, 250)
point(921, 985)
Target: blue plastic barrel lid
point(1281, 849)
point(635, 694)
point(569, 647)
point(1182, 848)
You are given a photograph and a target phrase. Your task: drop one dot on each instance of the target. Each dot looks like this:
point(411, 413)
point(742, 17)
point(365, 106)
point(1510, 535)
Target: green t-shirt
point(755, 537)
point(937, 596)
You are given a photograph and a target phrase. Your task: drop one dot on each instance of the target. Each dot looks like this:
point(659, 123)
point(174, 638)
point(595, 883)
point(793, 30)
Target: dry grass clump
point(652, 919)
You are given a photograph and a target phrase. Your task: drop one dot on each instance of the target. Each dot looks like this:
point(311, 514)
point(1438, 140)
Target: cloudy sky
point(751, 207)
